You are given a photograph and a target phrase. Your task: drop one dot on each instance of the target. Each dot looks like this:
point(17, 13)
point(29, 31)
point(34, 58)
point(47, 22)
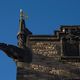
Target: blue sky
point(45, 16)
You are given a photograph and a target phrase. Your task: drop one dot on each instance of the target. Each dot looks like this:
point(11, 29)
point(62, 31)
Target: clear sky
point(45, 16)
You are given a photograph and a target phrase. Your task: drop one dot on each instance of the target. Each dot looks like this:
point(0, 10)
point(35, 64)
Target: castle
point(46, 57)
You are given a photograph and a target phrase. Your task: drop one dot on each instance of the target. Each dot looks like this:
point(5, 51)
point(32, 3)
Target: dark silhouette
point(22, 55)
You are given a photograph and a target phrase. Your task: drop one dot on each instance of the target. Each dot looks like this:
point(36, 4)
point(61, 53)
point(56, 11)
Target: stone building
point(46, 57)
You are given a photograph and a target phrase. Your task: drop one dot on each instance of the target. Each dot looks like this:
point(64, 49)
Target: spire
point(21, 34)
point(22, 20)
point(23, 31)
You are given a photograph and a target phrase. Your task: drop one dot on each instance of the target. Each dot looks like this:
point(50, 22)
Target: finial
point(21, 10)
point(22, 20)
point(21, 14)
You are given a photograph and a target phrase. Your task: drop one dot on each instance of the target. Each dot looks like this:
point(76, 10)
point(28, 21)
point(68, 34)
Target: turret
point(23, 31)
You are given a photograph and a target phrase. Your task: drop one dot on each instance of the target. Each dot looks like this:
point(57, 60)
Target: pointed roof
point(22, 23)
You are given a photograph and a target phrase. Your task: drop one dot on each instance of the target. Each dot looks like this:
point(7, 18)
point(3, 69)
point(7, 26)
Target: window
point(70, 47)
